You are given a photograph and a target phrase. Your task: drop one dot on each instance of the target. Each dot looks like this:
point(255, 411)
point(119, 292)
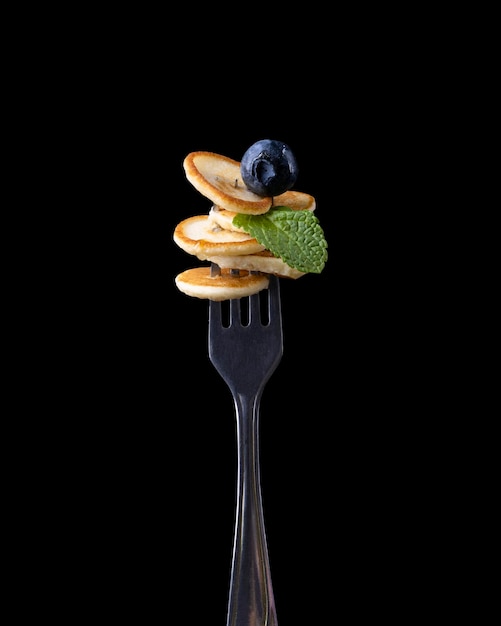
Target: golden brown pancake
point(198, 236)
point(198, 283)
point(296, 200)
point(218, 178)
point(260, 262)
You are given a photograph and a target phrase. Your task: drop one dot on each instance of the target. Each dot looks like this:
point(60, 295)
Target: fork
point(245, 354)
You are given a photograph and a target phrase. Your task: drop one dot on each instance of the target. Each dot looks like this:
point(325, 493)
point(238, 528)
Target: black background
point(139, 497)
point(120, 434)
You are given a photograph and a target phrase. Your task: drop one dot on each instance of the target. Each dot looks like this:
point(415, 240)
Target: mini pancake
point(218, 178)
point(296, 200)
point(198, 283)
point(260, 262)
point(197, 235)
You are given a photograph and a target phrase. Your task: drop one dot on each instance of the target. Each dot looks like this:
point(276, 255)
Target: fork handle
point(251, 600)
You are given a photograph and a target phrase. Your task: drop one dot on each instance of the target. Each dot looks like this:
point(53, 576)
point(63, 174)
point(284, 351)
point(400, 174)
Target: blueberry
point(269, 168)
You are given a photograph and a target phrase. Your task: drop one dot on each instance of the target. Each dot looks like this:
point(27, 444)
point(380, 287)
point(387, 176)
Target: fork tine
point(254, 308)
point(235, 312)
point(274, 308)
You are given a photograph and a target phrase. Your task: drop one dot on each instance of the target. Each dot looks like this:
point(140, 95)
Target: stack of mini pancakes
point(242, 264)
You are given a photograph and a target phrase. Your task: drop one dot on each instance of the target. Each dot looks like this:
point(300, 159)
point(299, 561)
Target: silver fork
point(246, 355)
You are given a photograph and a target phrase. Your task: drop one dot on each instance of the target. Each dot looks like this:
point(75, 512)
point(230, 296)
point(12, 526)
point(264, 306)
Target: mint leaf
point(293, 235)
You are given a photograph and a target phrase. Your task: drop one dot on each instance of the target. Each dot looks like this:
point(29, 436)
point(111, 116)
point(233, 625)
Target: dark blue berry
point(269, 168)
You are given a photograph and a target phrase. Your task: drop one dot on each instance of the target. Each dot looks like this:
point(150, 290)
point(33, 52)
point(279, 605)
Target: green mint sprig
point(293, 235)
